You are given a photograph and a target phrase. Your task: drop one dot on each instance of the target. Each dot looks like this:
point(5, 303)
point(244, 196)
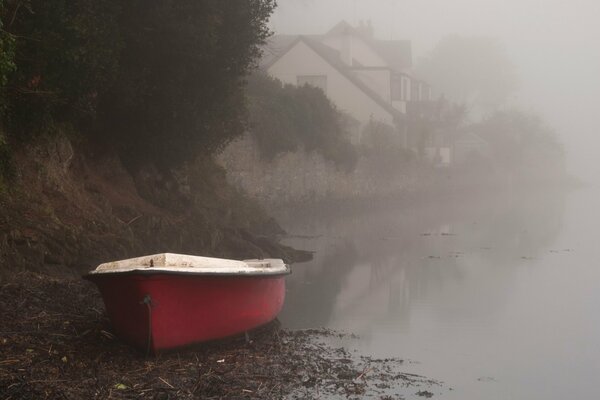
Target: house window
point(405, 89)
point(414, 94)
point(396, 88)
point(400, 88)
point(319, 81)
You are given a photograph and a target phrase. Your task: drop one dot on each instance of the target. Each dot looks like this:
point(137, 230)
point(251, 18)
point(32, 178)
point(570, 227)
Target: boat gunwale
point(172, 263)
point(149, 272)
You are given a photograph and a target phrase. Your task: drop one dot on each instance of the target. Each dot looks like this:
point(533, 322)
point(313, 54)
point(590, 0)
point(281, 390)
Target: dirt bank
point(69, 206)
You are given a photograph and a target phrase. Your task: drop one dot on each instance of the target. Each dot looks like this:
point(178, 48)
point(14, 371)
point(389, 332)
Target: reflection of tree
point(373, 267)
point(498, 236)
point(520, 226)
point(314, 296)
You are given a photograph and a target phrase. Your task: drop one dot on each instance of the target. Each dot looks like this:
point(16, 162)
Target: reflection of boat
point(168, 300)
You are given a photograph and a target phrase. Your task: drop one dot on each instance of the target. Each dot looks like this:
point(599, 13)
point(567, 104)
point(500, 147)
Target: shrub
point(5, 164)
point(65, 53)
point(158, 81)
point(179, 90)
point(517, 138)
point(287, 118)
point(7, 57)
point(382, 147)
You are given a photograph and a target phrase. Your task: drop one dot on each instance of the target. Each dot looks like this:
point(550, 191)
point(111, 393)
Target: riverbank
point(69, 205)
point(56, 342)
point(302, 179)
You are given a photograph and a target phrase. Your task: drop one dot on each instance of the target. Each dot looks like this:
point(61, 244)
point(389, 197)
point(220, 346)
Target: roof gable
point(397, 53)
point(341, 27)
point(332, 57)
point(275, 47)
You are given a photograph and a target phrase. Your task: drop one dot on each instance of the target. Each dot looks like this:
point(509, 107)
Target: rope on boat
point(148, 302)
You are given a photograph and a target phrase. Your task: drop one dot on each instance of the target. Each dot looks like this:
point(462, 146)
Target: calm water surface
point(498, 297)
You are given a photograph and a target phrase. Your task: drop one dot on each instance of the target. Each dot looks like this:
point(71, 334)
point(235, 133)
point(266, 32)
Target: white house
point(365, 77)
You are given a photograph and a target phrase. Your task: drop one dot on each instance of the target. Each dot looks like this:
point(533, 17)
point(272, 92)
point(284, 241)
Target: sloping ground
point(56, 343)
point(69, 209)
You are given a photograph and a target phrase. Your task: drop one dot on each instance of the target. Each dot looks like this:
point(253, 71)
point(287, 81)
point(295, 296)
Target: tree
point(521, 142)
point(7, 51)
point(179, 89)
point(7, 66)
point(287, 118)
point(475, 71)
point(64, 55)
point(157, 81)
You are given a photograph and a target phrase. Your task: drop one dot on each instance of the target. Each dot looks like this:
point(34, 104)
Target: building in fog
point(371, 80)
point(365, 77)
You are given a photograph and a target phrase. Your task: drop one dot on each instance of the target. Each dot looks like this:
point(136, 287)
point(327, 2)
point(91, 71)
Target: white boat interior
point(183, 263)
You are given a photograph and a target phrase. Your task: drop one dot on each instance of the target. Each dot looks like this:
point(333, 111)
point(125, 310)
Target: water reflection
point(457, 284)
point(374, 264)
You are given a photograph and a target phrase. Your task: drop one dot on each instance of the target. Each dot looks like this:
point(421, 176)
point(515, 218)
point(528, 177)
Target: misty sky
point(554, 45)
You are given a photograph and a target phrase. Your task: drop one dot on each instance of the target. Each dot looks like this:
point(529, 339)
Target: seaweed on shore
point(56, 343)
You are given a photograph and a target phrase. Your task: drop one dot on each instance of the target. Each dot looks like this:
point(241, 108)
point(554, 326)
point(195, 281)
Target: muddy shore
point(56, 343)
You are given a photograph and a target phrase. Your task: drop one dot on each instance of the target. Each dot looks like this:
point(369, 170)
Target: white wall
point(378, 80)
point(365, 55)
point(399, 105)
point(406, 88)
point(298, 177)
point(302, 60)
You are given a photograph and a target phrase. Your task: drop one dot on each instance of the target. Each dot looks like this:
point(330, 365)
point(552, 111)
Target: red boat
point(164, 301)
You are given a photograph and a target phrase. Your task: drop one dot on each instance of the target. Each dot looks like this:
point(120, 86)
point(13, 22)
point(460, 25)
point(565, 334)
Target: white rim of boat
point(194, 265)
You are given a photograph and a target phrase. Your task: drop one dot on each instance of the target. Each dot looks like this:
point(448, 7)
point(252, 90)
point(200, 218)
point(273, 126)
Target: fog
point(416, 163)
point(553, 45)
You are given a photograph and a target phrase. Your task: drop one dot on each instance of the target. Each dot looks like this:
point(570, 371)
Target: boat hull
point(164, 311)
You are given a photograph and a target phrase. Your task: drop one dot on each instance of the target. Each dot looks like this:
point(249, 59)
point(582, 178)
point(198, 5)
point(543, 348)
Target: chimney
point(365, 28)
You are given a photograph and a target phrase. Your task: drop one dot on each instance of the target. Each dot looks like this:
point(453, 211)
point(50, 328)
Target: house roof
point(332, 57)
point(341, 27)
point(274, 47)
point(397, 53)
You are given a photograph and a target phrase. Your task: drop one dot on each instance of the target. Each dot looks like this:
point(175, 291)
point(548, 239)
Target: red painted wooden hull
point(187, 308)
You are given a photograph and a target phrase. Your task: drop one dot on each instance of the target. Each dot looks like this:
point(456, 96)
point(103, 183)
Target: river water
point(497, 296)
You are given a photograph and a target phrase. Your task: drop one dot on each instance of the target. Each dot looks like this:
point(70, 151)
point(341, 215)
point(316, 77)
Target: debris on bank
point(56, 342)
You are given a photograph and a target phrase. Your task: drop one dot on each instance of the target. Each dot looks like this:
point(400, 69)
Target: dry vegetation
point(56, 343)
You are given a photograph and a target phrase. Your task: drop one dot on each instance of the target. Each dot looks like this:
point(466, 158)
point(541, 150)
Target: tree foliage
point(160, 81)
point(7, 55)
point(286, 118)
point(521, 140)
point(6, 169)
point(471, 70)
point(382, 146)
point(65, 55)
point(179, 91)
